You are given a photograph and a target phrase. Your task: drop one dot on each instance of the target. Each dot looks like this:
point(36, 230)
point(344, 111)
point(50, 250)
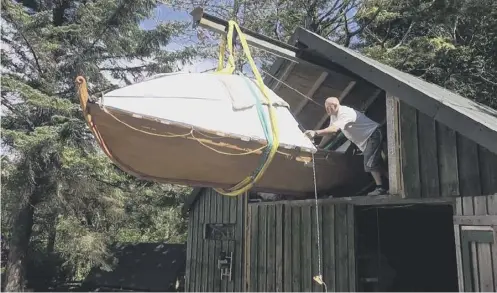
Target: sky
point(165, 13)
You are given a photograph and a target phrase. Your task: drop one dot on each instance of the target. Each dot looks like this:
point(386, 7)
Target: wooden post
point(393, 138)
point(247, 225)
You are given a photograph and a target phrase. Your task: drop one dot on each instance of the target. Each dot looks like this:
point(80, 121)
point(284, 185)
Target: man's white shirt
point(356, 126)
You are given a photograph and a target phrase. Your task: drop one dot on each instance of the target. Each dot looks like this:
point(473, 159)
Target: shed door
point(283, 253)
point(476, 256)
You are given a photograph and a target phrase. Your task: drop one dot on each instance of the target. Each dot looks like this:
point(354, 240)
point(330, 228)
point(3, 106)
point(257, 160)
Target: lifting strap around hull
point(270, 127)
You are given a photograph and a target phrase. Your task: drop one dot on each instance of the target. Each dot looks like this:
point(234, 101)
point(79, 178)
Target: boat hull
point(143, 148)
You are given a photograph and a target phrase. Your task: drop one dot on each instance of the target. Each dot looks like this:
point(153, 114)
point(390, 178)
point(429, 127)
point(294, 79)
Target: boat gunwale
point(262, 142)
point(197, 183)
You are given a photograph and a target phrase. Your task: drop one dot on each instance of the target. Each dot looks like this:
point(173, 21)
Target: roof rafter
point(473, 120)
point(344, 93)
point(322, 77)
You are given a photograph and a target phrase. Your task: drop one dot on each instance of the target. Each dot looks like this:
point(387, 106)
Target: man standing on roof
point(360, 130)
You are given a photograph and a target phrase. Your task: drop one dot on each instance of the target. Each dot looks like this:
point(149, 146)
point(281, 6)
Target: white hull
point(210, 126)
point(222, 104)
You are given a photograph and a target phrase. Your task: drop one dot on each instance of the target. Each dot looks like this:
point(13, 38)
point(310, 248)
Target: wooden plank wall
point(439, 162)
point(284, 253)
point(202, 273)
point(478, 212)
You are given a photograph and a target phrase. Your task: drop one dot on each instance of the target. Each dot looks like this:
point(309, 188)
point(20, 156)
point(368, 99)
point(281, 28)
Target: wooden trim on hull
point(184, 160)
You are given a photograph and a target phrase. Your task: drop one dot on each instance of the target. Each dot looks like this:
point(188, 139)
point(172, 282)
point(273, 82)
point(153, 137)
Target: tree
point(334, 20)
point(57, 183)
point(450, 43)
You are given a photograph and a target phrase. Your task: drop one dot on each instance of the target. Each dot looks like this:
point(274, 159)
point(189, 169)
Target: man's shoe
point(378, 191)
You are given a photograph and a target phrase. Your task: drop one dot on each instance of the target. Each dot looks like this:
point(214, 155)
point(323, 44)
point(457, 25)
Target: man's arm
point(327, 132)
point(332, 129)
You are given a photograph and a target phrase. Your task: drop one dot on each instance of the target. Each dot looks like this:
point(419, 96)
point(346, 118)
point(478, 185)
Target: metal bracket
point(218, 25)
point(225, 264)
point(296, 52)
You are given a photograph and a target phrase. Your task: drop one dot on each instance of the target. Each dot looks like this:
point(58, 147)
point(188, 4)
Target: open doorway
point(406, 249)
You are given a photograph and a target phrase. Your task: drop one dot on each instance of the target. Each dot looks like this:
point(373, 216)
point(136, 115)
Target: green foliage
point(152, 216)
point(334, 20)
point(82, 203)
point(81, 246)
point(450, 43)
point(52, 169)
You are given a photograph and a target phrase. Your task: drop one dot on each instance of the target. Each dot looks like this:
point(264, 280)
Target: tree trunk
point(59, 13)
point(52, 233)
point(52, 228)
point(18, 248)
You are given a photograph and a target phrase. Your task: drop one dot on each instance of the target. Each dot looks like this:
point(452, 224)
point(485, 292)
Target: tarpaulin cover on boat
point(204, 130)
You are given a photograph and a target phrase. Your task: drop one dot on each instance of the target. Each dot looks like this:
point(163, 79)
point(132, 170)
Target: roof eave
point(191, 199)
point(400, 84)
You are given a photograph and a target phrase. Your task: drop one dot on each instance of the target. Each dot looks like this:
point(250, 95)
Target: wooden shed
point(437, 231)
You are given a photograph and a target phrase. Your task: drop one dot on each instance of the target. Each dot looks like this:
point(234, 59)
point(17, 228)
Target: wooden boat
point(203, 130)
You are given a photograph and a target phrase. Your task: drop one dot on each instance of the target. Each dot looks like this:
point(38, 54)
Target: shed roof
point(361, 82)
point(473, 120)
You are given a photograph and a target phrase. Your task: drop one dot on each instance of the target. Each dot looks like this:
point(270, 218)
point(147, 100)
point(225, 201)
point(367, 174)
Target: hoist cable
point(318, 278)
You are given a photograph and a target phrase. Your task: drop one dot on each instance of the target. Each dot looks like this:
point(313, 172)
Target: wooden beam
point(393, 139)
point(247, 225)
point(218, 25)
point(460, 273)
point(473, 120)
point(476, 220)
point(408, 129)
point(344, 93)
point(382, 200)
point(294, 51)
point(311, 93)
point(283, 77)
point(273, 46)
point(370, 100)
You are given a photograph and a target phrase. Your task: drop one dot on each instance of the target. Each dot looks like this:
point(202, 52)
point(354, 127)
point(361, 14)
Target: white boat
point(192, 129)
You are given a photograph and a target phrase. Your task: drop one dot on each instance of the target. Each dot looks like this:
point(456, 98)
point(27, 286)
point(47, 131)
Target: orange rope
point(84, 97)
point(83, 100)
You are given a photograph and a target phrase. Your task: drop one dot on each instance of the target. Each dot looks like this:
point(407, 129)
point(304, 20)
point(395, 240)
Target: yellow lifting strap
point(230, 66)
point(247, 183)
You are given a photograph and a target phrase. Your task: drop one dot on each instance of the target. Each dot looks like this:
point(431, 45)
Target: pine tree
point(56, 181)
point(334, 20)
point(450, 43)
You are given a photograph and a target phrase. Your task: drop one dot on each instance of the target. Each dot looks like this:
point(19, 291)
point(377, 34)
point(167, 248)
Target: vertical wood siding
point(439, 162)
point(202, 273)
point(284, 253)
point(482, 265)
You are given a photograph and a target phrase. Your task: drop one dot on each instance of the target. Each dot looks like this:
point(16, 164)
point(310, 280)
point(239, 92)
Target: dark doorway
point(406, 249)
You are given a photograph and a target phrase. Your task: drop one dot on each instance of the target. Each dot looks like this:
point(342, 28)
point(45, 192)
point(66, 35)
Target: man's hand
point(310, 133)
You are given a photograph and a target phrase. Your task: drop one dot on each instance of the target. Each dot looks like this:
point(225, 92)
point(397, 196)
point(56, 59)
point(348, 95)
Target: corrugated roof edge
point(473, 120)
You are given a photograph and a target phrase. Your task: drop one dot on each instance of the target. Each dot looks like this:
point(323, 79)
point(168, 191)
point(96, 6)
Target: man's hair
point(332, 100)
